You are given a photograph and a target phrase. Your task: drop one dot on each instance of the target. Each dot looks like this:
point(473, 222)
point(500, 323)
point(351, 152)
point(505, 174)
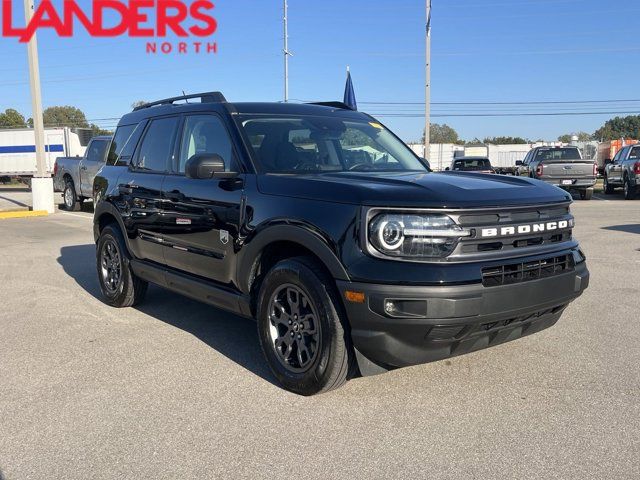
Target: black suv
point(322, 225)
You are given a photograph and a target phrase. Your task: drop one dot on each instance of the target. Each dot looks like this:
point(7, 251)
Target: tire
point(126, 290)
point(69, 196)
point(629, 190)
point(608, 189)
point(586, 194)
point(307, 357)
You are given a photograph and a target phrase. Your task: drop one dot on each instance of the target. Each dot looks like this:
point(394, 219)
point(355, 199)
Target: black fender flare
point(290, 233)
point(107, 208)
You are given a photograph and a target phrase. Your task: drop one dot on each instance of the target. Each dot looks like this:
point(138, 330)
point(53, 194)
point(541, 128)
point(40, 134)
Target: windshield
point(558, 154)
point(295, 144)
point(472, 164)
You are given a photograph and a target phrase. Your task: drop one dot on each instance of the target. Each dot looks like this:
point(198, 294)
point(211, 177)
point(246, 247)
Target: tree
point(97, 131)
point(12, 119)
point(442, 134)
point(139, 103)
point(582, 137)
point(65, 117)
point(619, 127)
point(505, 140)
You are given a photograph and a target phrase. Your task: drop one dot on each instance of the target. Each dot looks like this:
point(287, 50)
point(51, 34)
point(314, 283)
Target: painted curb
point(23, 214)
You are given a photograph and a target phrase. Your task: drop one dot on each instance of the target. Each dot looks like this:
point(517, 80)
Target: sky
point(482, 51)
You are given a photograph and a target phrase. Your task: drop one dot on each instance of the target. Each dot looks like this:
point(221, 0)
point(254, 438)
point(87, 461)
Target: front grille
point(526, 271)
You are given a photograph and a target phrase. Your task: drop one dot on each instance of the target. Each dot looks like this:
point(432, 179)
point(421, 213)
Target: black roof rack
point(208, 97)
point(340, 105)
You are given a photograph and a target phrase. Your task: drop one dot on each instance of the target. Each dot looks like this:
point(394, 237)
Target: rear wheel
point(629, 190)
point(586, 194)
point(120, 286)
point(608, 188)
point(69, 196)
point(302, 331)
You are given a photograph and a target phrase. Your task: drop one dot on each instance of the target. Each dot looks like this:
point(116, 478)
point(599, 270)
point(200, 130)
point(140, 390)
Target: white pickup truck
point(74, 175)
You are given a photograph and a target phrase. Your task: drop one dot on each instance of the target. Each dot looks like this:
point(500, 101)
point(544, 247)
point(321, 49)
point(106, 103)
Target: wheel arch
point(278, 243)
point(105, 214)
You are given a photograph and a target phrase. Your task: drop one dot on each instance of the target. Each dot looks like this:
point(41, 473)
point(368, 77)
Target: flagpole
point(427, 102)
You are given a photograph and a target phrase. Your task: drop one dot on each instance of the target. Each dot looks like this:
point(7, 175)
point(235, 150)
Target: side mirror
point(608, 161)
point(447, 169)
point(204, 166)
point(519, 163)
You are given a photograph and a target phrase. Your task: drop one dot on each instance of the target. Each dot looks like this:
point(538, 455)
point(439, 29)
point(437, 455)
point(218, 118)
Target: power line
point(528, 114)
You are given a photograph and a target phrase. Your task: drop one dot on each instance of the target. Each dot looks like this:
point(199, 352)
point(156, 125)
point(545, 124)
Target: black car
point(322, 225)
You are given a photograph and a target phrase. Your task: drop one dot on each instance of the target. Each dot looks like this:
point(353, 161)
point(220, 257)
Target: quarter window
point(157, 146)
point(205, 134)
point(635, 153)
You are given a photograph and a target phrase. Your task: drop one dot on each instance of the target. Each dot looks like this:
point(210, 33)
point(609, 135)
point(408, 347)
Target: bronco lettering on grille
point(525, 229)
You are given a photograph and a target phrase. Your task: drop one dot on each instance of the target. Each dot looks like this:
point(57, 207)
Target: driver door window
point(205, 134)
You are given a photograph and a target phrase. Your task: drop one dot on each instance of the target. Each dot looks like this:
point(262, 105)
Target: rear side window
point(157, 146)
point(124, 144)
point(635, 153)
point(559, 154)
point(97, 151)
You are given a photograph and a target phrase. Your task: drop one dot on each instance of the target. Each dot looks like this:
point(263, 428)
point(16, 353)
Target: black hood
point(414, 189)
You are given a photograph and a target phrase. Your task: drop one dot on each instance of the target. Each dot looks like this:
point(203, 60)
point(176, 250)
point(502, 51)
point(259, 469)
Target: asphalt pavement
point(176, 389)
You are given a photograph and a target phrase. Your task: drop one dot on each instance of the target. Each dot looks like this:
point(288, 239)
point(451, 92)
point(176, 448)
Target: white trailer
point(18, 149)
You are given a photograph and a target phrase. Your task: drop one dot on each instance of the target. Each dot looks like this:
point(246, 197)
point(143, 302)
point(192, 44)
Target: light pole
point(427, 100)
point(41, 183)
point(287, 54)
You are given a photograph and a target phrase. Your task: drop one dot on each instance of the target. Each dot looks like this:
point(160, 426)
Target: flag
point(350, 94)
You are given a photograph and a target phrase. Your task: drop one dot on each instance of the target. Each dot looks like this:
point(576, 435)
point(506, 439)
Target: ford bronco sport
point(322, 225)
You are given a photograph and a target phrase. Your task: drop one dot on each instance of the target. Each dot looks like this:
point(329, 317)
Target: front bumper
point(458, 319)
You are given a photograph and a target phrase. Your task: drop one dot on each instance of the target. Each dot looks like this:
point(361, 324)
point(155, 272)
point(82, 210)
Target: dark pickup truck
point(562, 167)
point(322, 225)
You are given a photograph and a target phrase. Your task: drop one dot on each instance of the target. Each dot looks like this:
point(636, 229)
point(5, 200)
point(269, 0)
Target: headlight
point(415, 235)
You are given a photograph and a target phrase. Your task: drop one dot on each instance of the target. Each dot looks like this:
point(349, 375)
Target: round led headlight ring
point(391, 235)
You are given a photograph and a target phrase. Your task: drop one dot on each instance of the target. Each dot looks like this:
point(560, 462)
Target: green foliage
point(582, 137)
point(12, 119)
point(139, 103)
point(619, 127)
point(505, 140)
point(97, 131)
point(65, 116)
point(442, 134)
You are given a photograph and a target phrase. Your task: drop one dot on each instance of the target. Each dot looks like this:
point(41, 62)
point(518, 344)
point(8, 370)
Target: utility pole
point(41, 183)
point(287, 54)
point(427, 102)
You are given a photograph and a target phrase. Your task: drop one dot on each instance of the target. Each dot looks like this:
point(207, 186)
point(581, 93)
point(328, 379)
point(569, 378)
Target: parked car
point(624, 171)
point(471, 164)
point(562, 167)
point(326, 228)
point(74, 175)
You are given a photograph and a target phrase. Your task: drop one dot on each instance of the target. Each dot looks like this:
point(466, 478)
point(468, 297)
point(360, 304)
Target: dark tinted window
point(124, 144)
point(157, 146)
point(97, 150)
point(205, 134)
point(558, 154)
point(635, 153)
point(309, 143)
point(472, 164)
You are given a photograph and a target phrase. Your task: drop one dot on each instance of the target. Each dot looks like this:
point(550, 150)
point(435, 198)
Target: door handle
point(83, 168)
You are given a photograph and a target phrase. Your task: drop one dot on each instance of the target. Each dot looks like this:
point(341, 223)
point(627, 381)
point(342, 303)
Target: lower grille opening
point(526, 271)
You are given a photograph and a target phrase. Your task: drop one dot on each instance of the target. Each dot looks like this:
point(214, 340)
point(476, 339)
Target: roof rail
point(207, 97)
point(340, 105)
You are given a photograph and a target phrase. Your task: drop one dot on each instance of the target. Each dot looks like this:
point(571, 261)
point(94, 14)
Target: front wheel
point(120, 286)
point(302, 329)
point(608, 188)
